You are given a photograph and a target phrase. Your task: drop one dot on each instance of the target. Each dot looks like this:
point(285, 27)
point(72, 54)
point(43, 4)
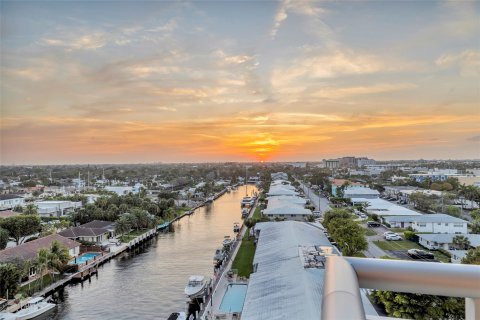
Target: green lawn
point(257, 214)
point(405, 245)
point(243, 262)
point(36, 285)
point(399, 230)
point(370, 232)
point(132, 235)
point(397, 245)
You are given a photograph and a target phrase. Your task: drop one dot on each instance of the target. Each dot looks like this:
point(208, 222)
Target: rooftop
point(436, 217)
point(448, 238)
point(77, 232)
point(9, 196)
point(385, 208)
point(29, 250)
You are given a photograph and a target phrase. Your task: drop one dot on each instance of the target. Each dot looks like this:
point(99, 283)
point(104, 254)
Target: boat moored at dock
point(33, 308)
point(197, 286)
point(236, 227)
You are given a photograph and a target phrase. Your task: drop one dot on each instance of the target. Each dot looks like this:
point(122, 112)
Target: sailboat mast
point(246, 187)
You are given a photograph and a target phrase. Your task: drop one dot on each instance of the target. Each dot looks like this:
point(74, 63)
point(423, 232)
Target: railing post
point(472, 309)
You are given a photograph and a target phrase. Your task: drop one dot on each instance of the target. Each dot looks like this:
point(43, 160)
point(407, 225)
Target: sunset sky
point(122, 82)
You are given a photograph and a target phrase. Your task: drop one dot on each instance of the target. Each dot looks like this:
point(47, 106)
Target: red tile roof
point(8, 213)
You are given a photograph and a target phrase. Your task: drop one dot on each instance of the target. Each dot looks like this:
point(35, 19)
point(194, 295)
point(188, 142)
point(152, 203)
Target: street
point(324, 203)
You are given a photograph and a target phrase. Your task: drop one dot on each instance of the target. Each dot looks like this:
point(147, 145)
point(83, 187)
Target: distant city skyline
point(143, 82)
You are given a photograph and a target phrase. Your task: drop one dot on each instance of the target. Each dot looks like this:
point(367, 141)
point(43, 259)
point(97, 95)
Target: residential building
point(10, 201)
point(29, 250)
point(279, 176)
point(331, 164)
point(364, 161)
point(445, 240)
point(120, 190)
point(338, 183)
point(289, 272)
point(434, 223)
point(360, 192)
point(93, 235)
point(382, 207)
point(56, 208)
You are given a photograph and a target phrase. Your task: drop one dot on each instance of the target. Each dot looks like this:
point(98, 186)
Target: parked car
point(393, 237)
point(317, 213)
point(373, 224)
point(385, 234)
point(420, 254)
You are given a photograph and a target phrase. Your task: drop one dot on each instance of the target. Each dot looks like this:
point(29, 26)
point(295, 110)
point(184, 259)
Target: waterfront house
point(445, 240)
point(56, 208)
point(91, 235)
point(10, 201)
point(434, 223)
point(29, 250)
point(382, 207)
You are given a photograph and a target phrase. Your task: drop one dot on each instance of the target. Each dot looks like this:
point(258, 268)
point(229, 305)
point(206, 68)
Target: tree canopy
point(19, 227)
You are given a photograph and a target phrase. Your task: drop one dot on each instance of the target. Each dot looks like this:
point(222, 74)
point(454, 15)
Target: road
point(315, 199)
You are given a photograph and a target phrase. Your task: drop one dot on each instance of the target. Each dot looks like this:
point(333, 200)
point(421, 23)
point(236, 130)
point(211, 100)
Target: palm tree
point(58, 257)
point(42, 262)
point(461, 242)
point(30, 209)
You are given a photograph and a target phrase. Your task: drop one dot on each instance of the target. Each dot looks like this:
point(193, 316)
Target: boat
point(178, 316)
point(7, 316)
point(34, 308)
point(196, 286)
point(236, 227)
point(246, 201)
point(219, 255)
point(244, 213)
point(209, 200)
point(229, 189)
point(227, 241)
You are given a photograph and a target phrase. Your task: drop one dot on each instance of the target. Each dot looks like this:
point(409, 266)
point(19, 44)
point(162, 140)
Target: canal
point(149, 283)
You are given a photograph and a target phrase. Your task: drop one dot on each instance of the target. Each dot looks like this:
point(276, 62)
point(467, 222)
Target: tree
point(19, 227)
point(18, 208)
point(349, 235)
point(475, 227)
point(420, 306)
point(475, 214)
point(452, 211)
point(122, 225)
point(461, 242)
point(422, 201)
point(3, 238)
point(335, 214)
point(9, 279)
point(58, 256)
point(472, 256)
point(30, 209)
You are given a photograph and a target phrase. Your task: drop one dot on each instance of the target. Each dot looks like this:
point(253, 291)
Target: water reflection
point(148, 283)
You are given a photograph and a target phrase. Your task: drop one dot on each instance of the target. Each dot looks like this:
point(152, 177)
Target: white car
point(389, 233)
point(393, 237)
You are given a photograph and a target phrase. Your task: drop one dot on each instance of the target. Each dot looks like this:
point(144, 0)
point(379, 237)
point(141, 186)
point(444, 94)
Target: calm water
point(149, 284)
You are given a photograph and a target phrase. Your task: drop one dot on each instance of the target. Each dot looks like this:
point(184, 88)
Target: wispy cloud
point(468, 62)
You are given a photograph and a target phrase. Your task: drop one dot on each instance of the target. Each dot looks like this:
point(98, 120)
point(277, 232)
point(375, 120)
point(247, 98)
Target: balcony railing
point(345, 276)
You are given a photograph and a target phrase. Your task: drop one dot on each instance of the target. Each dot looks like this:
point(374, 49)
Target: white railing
point(345, 276)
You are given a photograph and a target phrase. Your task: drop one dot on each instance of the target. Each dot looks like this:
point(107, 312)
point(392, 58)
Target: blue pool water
point(234, 298)
point(85, 257)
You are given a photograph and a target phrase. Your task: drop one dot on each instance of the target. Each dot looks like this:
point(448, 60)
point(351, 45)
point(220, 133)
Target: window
point(421, 224)
point(446, 224)
point(439, 223)
point(458, 225)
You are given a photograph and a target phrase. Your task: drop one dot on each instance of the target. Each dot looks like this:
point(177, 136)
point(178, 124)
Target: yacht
point(196, 286)
point(219, 255)
point(34, 308)
point(236, 227)
point(246, 201)
point(227, 241)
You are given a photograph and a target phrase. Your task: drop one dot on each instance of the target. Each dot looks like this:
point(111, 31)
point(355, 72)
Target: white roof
point(385, 208)
point(448, 238)
point(357, 190)
point(287, 209)
point(196, 278)
point(282, 288)
point(436, 217)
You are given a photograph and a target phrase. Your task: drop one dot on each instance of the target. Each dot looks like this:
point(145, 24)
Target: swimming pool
point(234, 298)
point(84, 258)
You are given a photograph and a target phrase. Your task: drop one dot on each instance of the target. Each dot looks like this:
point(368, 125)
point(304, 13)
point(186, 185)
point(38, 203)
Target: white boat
point(219, 255)
point(7, 316)
point(196, 286)
point(236, 227)
point(246, 201)
point(244, 213)
point(227, 241)
point(34, 308)
point(209, 200)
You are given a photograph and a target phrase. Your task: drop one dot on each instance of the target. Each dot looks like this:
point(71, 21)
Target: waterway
point(149, 283)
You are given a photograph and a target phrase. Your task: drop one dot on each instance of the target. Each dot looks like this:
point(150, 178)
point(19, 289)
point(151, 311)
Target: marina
point(153, 275)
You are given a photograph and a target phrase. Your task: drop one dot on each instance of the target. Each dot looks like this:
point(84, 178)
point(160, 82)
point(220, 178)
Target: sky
point(194, 81)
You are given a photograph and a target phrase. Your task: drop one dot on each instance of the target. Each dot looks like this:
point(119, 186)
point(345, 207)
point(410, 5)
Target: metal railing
point(345, 276)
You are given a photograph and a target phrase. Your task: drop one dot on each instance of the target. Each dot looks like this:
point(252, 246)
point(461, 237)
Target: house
point(287, 211)
point(382, 207)
point(338, 183)
point(10, 201)
point(360, 192)
point(434, 223)
point(55, 208)
point(284, 203)
point(120, 190)
point(100, 224)
point(29, 250)
point(445, 240)
point(456, 256)
point(92, 235)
